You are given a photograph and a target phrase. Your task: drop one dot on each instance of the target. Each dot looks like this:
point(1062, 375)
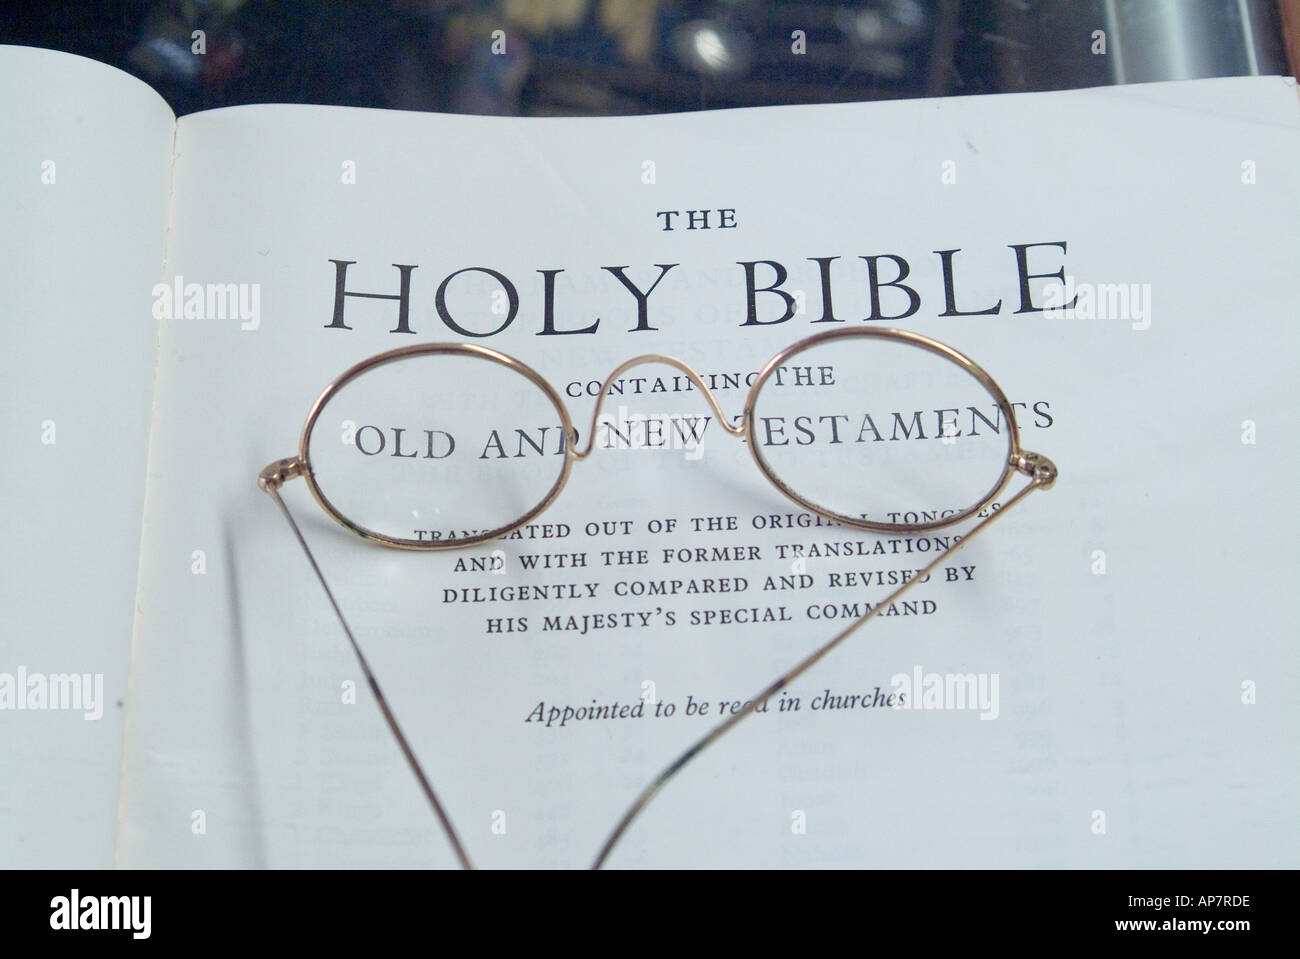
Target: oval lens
point(881, 432)
point(436, 449)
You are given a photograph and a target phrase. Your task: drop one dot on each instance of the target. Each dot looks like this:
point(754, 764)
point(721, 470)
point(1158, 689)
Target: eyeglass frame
point(1018, 460)
point(1041, 471)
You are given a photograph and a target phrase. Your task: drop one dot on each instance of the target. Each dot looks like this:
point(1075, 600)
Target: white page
point(84, 177)
point(1120, 693)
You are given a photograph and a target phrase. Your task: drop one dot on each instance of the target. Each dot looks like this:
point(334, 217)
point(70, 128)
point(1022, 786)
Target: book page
point(1124, 639)
point(84, 177)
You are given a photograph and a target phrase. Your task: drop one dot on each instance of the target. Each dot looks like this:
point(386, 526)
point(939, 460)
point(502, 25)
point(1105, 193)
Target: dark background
point(602, 57)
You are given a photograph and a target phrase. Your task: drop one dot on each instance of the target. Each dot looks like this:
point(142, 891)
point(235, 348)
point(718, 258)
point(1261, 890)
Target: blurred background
point(605, 57)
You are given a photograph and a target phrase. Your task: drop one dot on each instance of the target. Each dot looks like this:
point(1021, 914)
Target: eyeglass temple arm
point(270, 480)
point(1040, 469)
point(1042, 473)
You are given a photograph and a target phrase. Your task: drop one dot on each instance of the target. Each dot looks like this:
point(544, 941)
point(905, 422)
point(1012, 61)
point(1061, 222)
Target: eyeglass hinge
point(279, 472)
point(1036, 465)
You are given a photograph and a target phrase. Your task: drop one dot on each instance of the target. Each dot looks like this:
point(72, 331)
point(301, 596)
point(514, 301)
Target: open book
point(176, 690)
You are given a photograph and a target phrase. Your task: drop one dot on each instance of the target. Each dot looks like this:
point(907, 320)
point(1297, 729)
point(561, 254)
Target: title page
point(1130, 629)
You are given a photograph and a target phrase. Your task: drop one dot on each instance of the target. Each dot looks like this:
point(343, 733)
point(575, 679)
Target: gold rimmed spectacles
point(448, 446)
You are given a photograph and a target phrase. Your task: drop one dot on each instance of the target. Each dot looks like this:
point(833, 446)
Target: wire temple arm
point(1043, 473)
point(270, 480)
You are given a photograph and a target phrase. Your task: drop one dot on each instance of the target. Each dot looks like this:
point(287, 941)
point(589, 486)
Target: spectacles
point(448, 446)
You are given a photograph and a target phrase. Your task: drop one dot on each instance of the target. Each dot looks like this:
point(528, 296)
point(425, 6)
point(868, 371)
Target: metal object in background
point(607, 57)
point(1058, 45)
point(1178, 40)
